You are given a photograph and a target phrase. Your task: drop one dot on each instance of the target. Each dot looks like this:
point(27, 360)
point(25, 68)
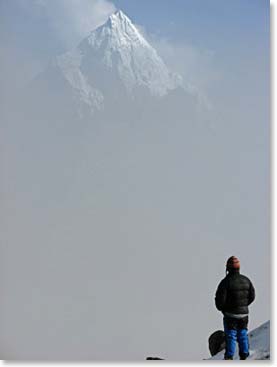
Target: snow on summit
point(121, 47)
point(115, 54)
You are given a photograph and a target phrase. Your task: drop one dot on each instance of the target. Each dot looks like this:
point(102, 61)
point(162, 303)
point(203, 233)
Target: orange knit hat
point(232, 263)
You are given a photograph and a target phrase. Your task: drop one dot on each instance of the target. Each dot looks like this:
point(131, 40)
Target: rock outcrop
point(216, 342)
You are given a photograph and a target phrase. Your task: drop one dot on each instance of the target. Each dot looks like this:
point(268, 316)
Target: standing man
point(233, 296)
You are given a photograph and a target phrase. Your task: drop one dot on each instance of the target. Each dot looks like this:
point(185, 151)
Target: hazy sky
point(106, 261)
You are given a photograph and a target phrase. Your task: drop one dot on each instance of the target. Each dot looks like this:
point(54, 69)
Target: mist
point(116, 227)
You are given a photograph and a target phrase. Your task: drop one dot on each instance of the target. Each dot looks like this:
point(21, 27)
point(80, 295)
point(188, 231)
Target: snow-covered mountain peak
point(117, 33)
point(115, 61)
point(118, 18)
point(121, 49)
point(121, 25)
point(120, 15)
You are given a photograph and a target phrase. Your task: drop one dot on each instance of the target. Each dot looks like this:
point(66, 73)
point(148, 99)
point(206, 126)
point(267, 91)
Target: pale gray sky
point(115, 237)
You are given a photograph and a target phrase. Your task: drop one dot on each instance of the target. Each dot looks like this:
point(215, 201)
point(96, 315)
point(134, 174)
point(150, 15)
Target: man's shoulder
point(223, 282)
point(242, 276)
point(245, 279)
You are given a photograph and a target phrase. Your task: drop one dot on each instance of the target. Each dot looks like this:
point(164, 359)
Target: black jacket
point(234, 294)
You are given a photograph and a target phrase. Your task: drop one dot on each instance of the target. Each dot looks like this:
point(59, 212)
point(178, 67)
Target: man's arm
point(220, 296)
point(251, 295)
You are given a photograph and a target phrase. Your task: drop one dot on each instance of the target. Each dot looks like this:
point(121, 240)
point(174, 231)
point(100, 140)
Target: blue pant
point(236, 331)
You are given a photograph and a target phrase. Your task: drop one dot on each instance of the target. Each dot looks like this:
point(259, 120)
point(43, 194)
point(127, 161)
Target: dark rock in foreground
point(217, 342)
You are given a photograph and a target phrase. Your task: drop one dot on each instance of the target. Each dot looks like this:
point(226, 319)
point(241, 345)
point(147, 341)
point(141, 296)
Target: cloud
point(196, 65)
point(35, 31)
point(71, 20)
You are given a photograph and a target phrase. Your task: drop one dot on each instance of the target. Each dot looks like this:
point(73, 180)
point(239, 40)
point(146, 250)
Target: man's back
point(235, 292)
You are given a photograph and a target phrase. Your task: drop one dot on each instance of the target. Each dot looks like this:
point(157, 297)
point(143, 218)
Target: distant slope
point(259, 340)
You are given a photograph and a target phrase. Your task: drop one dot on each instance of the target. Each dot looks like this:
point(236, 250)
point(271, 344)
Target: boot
point(228, 357)
point(243, 356)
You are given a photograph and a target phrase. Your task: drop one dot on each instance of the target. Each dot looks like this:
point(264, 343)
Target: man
point(233, 296)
